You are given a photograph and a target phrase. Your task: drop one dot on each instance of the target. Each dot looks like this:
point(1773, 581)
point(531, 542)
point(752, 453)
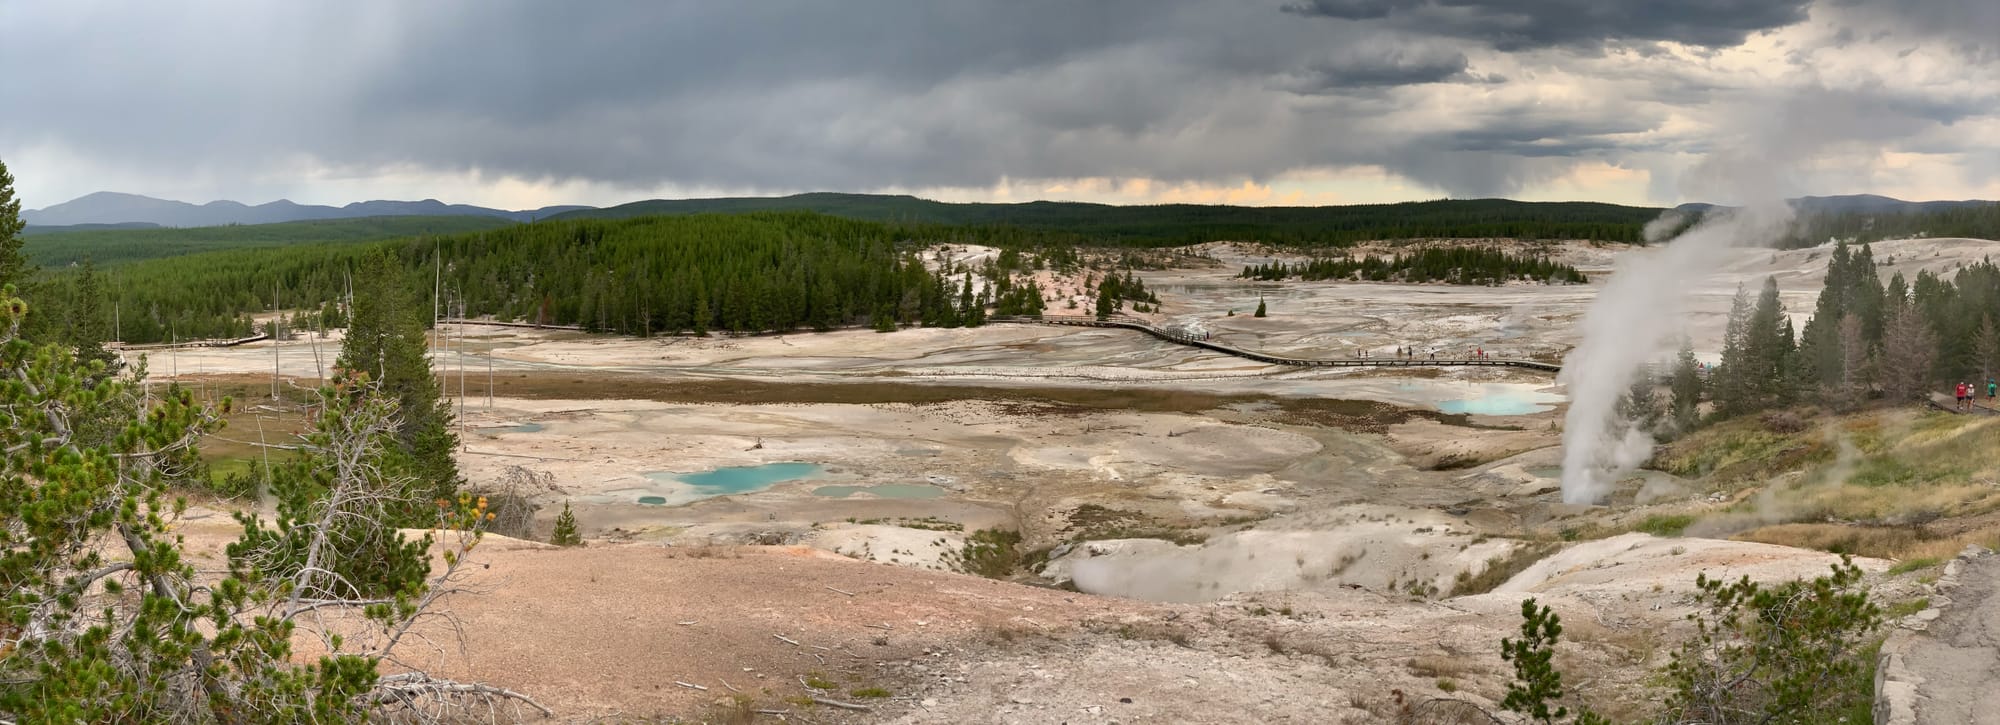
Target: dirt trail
point(1956, 661)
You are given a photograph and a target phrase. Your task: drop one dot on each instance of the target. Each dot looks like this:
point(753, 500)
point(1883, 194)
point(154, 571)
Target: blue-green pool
point(738, 479)
point(522, 428)
point(887, 490)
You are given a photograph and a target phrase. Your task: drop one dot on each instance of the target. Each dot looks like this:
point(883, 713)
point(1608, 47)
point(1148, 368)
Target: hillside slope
point(1176, 224)
point(108, 207)
point(117, 245)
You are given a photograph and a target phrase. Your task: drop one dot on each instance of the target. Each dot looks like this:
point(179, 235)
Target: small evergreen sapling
point(1537, 685)
point(566, 533)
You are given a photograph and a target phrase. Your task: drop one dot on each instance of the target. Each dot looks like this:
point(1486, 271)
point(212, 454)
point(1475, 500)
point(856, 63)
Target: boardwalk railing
point(259, 337)
point(500, 323)
point(1131, 323)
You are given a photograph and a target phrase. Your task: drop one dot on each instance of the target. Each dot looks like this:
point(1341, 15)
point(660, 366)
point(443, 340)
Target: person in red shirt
point(1962, 393)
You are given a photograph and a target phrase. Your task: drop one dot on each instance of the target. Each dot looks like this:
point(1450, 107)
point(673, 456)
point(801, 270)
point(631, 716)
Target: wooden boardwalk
point(1947, 404)
point(1129, 323)
point(259, 337)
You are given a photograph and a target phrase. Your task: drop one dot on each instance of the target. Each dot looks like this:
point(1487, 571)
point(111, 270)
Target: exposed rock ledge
point(1938, 666)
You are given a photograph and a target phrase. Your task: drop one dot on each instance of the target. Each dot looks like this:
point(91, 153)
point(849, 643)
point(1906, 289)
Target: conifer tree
point(89, 323)
point(1986, 348)
point(1857, 375)
point(1726, 382)
point(1260, 307)
point(386, 342)
point(1686, 389)
point(1640, 405)
point(566, 533)
point(14, 266)
point(1909, 352)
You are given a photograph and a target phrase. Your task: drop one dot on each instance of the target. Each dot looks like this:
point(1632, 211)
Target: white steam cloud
point(1633, 322)
point(1638, 316)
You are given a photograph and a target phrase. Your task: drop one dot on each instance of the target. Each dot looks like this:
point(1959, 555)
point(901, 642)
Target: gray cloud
point(1517, 24)
point(1381, 62)
point(785, 95)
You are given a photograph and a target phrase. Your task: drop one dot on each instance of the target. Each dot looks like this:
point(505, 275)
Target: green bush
point(991, 553)
point(1799, 652)
point(1665, 524)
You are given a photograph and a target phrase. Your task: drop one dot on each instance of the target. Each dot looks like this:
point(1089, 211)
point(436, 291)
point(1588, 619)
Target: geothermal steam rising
point(1634, 321)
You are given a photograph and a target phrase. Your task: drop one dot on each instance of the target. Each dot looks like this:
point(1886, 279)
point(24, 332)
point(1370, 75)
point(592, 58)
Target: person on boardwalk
point(1960, 394)
point(1992, 389)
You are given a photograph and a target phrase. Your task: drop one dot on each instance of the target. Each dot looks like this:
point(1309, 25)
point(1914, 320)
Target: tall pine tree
point(89, 325)
point(1726, 382)
point(13, 265)
point(386, 340)
point(1686, 387)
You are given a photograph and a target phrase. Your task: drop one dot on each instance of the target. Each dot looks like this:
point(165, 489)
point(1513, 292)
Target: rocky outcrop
point(1938, 666)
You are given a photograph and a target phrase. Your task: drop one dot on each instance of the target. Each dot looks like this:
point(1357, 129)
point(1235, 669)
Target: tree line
point(1455, 265)
point(645, 276)
point(1974, 220)
point(1866, 340)
point(1165, 225)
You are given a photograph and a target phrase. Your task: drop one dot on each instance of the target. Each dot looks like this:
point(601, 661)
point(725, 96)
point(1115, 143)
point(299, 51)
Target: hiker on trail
point(1992, 389)
point(1961, 394)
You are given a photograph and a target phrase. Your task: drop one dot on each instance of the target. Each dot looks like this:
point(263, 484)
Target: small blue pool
point(738, 479)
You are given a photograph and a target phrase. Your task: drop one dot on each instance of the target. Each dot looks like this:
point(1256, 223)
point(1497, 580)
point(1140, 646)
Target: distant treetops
point(1456, 265)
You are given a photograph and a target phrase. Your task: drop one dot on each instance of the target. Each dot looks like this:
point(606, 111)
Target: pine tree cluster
point(1455, 265)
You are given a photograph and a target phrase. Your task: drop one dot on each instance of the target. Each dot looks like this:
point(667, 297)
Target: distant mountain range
point(1859, 204)
point(112, 210)
point(132, 210)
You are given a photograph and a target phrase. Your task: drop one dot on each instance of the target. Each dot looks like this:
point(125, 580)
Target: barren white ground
point(1350, 528)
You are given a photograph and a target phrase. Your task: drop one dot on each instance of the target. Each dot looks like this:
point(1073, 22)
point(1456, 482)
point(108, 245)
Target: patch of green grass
point(1900, 610)
point(1447, 685)
point(1743, 449)
point(991, 553)
point(819, 683)
point(1909, 565)
point(870, 692)
point(1665, 524)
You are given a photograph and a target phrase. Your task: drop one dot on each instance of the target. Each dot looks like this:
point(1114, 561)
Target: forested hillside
point(109, 246)
point(1979, 220)
point(1178, 224)
point(638, 276)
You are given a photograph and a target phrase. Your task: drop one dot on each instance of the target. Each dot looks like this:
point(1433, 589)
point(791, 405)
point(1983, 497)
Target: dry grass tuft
point(1881, 542)
point(1501, 568)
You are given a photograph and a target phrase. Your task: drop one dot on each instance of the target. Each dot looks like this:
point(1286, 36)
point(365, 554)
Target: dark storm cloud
point(783, 95)
point(1377, 64)
point(1345, 9)
point(1517, 24)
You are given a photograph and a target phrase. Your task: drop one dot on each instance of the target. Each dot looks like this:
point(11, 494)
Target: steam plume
point(1634, 321)
point(1638, 315)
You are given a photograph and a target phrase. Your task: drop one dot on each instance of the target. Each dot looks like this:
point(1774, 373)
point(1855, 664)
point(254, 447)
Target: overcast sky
point(524, 104)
